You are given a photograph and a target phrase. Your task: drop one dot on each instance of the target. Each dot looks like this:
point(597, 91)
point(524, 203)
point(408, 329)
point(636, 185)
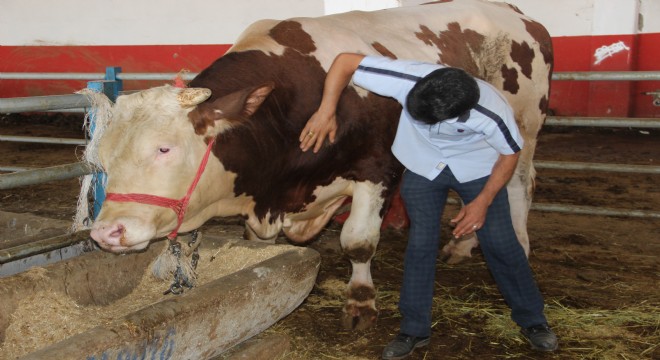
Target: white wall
point(139, 22)
point(339, 6)
point(650, 19)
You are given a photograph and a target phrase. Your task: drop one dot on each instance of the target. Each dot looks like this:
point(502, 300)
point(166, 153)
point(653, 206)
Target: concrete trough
point(106, 306)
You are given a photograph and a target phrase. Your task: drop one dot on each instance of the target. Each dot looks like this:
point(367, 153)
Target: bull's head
point(150, 147)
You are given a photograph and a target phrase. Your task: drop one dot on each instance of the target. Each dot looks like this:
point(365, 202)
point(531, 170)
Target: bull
point(244, 113)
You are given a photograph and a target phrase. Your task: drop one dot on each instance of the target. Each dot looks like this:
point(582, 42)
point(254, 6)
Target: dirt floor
point(599, 274)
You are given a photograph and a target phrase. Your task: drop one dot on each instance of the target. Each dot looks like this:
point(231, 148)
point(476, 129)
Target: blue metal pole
point(112, 74)
point(111, 88)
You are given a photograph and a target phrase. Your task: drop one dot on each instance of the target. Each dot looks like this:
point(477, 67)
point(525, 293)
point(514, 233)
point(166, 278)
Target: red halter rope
point(179, 206)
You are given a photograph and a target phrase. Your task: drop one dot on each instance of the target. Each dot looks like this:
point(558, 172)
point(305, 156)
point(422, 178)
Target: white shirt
point(469, 145)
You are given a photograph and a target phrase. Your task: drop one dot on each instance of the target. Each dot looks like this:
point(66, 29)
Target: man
point(455, 132)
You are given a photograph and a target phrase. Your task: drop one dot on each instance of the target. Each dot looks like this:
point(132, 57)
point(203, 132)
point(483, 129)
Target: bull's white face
point(150, 147)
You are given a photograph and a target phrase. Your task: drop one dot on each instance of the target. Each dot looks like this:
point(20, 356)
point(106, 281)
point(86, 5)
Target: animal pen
point(278, 278)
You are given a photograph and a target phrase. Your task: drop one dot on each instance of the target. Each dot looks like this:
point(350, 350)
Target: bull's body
point(262, 93)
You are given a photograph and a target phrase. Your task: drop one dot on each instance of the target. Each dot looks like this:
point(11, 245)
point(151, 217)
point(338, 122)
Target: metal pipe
point(649, 123)
point(155, 76)
point(50, 76)
point(42, 246)
point(584, 210)
point(40, 103)
point(44, 140)
point(564, 165)
point(592, 210)
point(607, 75)
point(38, 176)
point(93, 76)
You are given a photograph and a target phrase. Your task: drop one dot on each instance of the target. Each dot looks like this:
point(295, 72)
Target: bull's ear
point(256, 97)
point(216, 116)
point(242, 103)
point(190, 97)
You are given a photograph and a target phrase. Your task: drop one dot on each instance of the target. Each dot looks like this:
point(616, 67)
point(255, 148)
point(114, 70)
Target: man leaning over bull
point(455, 132)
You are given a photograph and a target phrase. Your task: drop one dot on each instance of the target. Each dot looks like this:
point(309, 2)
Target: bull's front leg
point(359, 239)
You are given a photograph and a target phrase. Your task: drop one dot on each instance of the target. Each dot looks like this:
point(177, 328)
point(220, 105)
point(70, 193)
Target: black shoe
point(402, 346)
point(541, 338)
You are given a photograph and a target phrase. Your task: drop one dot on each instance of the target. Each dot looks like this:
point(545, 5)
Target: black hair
point(443, 94)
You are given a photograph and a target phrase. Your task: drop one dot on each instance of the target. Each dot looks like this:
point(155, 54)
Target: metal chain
point(180, 280)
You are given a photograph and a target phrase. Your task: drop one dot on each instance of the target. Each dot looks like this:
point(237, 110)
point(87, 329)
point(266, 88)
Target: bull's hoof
point(453, 259)
point(359, 317)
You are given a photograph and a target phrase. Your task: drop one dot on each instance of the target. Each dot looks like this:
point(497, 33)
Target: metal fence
point(112, 83)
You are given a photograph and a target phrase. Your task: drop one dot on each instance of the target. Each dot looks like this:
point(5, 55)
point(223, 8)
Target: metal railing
point(115, 74)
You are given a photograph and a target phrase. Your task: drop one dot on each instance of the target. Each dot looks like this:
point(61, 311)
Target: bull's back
point(492, 41)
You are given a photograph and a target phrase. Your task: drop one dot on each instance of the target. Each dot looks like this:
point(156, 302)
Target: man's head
point(443, 94)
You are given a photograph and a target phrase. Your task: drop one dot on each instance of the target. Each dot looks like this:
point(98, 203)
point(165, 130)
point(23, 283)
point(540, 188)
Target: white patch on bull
point(255, 37)
point(265, 229)
point(607, 51)
point(362, 228)
point(219, 127)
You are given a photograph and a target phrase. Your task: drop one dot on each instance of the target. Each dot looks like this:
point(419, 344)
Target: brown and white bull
point(255, 100)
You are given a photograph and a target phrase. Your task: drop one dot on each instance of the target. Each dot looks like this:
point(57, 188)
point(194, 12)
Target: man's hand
point(471, 218)
point(319, 126)
point(324, 122)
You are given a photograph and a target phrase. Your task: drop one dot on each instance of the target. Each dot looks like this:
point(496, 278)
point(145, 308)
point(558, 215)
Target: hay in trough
point(47, 316)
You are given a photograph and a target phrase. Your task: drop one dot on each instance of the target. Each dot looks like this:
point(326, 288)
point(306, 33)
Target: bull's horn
point(192, 96)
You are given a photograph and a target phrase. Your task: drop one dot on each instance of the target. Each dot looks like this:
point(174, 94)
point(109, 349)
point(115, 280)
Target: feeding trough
point(106, 306)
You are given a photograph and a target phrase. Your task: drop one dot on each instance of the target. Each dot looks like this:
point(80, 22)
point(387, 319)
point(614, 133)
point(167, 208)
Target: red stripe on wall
point(94, 59)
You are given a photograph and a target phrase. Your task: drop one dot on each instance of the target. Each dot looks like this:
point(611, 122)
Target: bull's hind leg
point(520, 189)
point(359, 238)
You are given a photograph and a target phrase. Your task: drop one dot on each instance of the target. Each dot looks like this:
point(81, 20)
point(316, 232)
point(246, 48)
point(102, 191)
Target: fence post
point(110, 88)
point(111, 73)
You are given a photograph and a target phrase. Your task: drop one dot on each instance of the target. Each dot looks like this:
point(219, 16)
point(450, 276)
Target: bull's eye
point(163, 150)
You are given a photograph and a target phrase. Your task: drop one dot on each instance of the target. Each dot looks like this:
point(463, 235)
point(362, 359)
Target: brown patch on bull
point(291, 34)
point(510, 76)
point(541, 35)
point(383, 50)
point(543, 105)
point(264, 152)
point(456, 45)
point(360, 254)
point(523, 54)
point(362, 293)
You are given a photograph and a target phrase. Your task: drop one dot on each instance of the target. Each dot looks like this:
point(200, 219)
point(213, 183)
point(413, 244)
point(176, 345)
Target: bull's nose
point(110, 234)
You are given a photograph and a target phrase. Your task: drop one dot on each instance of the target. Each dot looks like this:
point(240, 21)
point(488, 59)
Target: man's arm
point(323, 122)
point(474, 213)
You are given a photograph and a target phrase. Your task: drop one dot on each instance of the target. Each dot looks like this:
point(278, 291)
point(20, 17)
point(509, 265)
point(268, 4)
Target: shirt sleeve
point(387, 77)
point(500, 128)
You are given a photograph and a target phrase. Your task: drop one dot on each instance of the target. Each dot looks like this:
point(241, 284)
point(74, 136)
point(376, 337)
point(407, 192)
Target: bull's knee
point(360, 254)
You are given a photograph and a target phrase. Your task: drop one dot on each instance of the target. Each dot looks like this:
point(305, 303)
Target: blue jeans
point(424, 201)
